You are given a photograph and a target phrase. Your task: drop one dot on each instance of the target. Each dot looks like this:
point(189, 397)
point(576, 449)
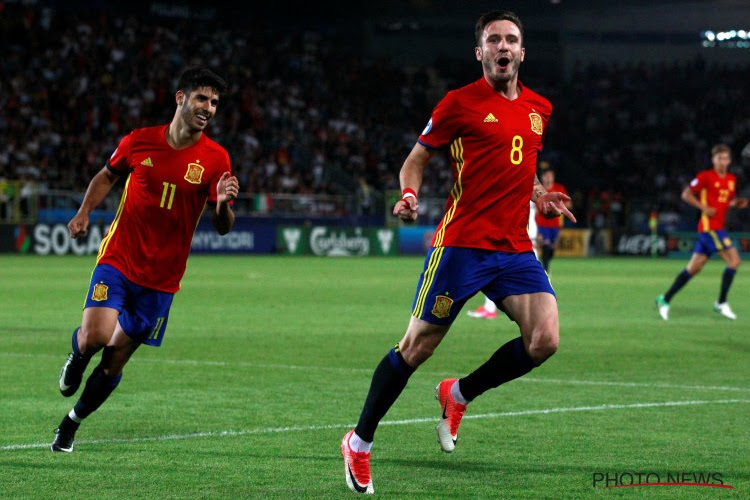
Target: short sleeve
point(697, 183)
point(118, 162)
point(442, 127)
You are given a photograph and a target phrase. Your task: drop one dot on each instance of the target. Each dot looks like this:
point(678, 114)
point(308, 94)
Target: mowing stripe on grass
point(306, 428)
point(345, 369)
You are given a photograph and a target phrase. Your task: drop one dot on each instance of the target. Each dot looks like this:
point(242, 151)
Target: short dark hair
point(193, 78)
point(492, 16)
point(544, 167)
point(720, 148)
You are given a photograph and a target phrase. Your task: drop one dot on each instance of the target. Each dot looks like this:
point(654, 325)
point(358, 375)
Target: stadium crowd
point(305, 115)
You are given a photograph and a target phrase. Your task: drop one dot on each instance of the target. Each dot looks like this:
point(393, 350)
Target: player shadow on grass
point(447, 463)
point(499, 466)
point(739, 344)
point(692, 315)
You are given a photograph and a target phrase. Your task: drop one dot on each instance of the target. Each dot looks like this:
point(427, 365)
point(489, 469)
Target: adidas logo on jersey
point(490, 118)
point(147, 162)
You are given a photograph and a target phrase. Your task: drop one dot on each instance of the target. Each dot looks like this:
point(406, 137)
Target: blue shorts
point(710, 242)
point(452, 275)
point(549, 235)
point(143, 311)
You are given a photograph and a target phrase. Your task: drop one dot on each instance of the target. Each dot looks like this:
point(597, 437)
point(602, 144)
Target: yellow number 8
point(516, 153)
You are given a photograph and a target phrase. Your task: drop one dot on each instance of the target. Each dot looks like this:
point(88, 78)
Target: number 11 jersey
point(165, 194)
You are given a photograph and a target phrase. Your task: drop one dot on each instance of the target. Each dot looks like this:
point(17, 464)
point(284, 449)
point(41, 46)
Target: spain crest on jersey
point(536, 123)
point(100, 292)
point(442, 307)
point(731, 185)
point(194, 173)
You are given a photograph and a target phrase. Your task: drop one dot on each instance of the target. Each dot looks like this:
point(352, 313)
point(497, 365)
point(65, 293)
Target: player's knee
point(416, 353)
point(541, 349)
point(112, 371)
point(544, 342)
point(92, 337)
point(417, 348)
point(420, 341)
point(694, 268)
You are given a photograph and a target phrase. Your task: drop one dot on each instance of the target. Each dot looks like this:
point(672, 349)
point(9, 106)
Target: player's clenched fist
point(228, 187)
point(78, 225)
point(406, 208)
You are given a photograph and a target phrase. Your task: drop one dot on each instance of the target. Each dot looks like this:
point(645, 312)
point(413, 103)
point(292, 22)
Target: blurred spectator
point(321, 120)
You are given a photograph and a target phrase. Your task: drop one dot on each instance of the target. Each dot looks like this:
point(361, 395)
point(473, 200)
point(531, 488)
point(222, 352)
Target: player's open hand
point(552, 205)
point(406, 209)
point(740, 202)
point(227, 188)
point(78, 225)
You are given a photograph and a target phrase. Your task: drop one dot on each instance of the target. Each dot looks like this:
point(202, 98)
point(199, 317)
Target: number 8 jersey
point(164, 197)
point(493, 144)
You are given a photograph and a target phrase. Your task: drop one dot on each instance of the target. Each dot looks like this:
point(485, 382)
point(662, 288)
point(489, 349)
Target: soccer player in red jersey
point(492, 130)
point(713, 192)
point(548, 229)
point(173, 171)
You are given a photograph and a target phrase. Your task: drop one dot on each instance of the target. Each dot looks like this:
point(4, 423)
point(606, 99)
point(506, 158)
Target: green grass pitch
point(267, 360)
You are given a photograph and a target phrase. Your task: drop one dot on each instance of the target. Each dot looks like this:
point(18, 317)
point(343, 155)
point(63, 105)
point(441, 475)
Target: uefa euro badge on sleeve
point(442, 306)
point(100, 292)
point(194, 173)
point(536, 123)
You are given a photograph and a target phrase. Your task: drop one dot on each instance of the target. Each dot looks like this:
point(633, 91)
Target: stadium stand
point(306, 116)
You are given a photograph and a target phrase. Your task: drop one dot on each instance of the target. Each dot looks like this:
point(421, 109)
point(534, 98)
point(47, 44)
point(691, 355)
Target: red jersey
point(714, 191)
point(555, 222)
point(493, 144)
point(164, 197)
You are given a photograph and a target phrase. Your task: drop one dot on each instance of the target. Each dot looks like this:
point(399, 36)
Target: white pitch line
point(346, 369)
point(307, 428)
point(651, 385)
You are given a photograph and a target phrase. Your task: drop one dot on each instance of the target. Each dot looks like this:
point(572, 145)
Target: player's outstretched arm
point(411, 180)
point(99, 187)
point(739, 202)
point(226, 190)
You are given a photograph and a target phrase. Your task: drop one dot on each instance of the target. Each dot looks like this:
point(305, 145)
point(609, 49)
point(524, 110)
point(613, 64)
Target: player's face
point(501, 52)
point(198, 108)
point(721, 162)
point(548, 178)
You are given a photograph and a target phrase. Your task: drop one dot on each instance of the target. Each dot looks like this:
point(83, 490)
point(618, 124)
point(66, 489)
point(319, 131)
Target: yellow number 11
point(171, 188)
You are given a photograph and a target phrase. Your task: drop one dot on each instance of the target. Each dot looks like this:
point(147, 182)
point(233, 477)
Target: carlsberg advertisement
point(336, 241)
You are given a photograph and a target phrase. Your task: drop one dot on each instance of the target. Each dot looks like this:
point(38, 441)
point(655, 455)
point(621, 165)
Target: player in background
point(488, 310)
point(713, 192)
point(173, 171)
point(492, 130)
point(548, 232)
